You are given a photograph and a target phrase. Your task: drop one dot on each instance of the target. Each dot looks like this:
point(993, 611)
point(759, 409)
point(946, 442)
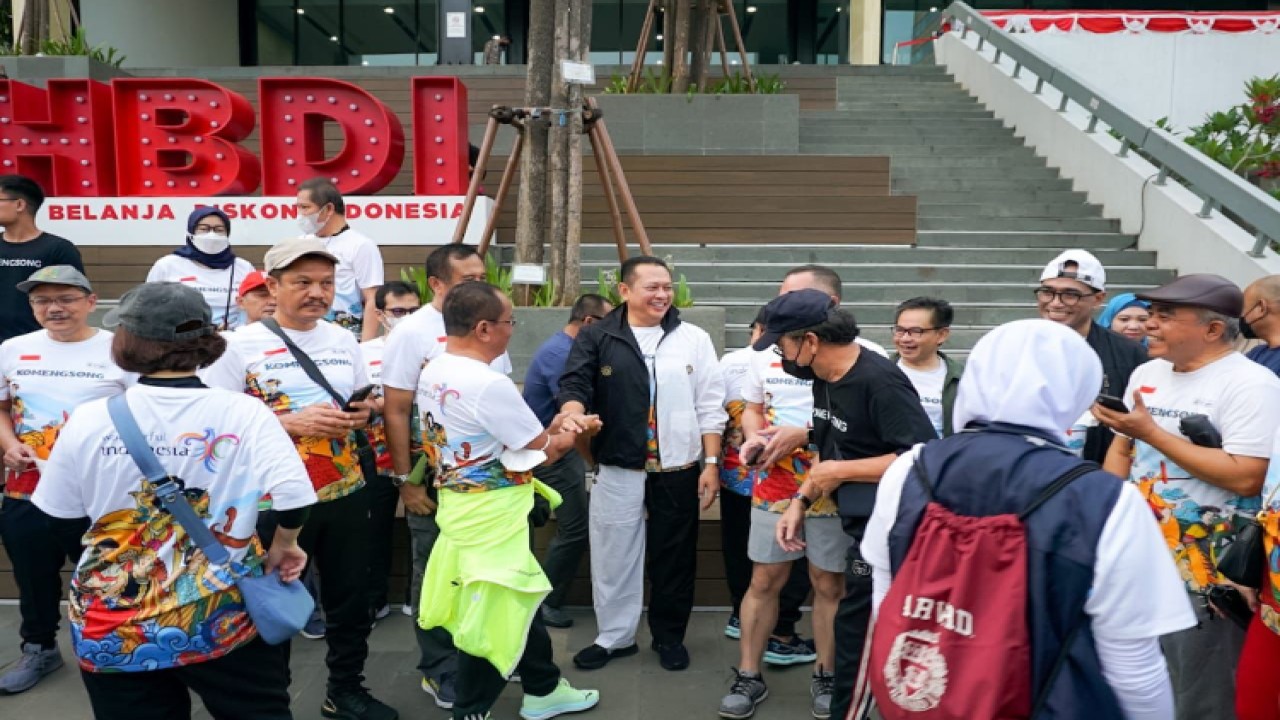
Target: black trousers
point(479, 683)
point(383, 497)
point(39, 546)
point(336, 539)
point(568, 477)
point(671, 551)
point(735, 529)
point(853, 619)
point(248, 683)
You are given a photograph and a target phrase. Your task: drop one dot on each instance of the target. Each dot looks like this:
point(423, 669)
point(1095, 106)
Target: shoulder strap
point(1043, 697)
point(1057, 486)
point(917, 463)
point(168, 489)
point(304, 360)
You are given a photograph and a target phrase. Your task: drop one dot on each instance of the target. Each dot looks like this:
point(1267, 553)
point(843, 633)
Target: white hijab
point(1034, 373)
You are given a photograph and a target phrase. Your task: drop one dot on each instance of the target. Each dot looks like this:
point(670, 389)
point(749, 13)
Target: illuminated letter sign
point(61, 137)
point(440, 136)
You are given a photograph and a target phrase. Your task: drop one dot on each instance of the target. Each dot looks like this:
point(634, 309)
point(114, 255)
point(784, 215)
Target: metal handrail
point(1218, 186)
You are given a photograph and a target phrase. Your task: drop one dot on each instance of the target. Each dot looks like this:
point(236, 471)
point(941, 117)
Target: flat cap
point(1211, 292)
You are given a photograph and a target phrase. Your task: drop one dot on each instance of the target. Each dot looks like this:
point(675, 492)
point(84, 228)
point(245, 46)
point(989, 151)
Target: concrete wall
point(1163, 217)
point(1181, 76)
point(166, 33)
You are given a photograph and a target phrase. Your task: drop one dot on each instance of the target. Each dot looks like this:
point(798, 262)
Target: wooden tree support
point(718, 10)
point(608, 166)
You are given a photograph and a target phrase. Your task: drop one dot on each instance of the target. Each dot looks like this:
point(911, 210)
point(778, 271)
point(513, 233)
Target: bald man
point(1261, 320)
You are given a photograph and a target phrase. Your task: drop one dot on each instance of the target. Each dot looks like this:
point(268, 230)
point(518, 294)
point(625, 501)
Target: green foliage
point(658, 82)
point(545, 295)
point(607, 287)
point(78, 45)
point(684, 296)
point(1245, 138)
point(496, 275)
point(417, 277)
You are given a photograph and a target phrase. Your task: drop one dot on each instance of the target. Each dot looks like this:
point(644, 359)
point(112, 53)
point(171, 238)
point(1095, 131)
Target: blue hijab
point(218, 261)
point(1119, 304)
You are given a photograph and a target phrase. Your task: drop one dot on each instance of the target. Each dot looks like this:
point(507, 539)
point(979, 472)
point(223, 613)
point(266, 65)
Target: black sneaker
point(594, 657)
point(555, 617)
point(356, 704)
point(672, 656)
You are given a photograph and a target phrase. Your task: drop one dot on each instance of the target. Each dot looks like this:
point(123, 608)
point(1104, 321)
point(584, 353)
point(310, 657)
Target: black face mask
point(1246, 328)
point(798, 371)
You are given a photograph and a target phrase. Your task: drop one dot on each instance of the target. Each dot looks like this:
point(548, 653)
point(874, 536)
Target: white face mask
point(310, 224)
point(210, 243)
point(390, 321)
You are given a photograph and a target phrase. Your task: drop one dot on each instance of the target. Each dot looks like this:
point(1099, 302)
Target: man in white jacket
point(656, 384)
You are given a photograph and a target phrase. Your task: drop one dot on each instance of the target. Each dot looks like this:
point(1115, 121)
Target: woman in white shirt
point(207, 263)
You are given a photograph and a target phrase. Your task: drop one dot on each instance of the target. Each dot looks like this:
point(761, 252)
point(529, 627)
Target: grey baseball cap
point(287, 252)
point(56, 275)
point(163, 311)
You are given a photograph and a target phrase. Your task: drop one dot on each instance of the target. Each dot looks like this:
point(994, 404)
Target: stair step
point(1009, 210)
point(855, 294)
point(925, 222)
point(913, 185)
point(762, 275)
point(966, 314)
point(783, 257)
point(1088, 240)
point(1014, 196)
point(897, 148)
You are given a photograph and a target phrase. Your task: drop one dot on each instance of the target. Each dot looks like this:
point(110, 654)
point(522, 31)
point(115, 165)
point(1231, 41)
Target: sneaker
point(747, 691)
point(314, 629)
point(820, 689)
point(35, 663)
point(356, 704)
point(594, 657)
point(441, 689)
point(791, 652)
point(382, 612)
point(564, 699)
point(733, 628)
point(673, 656)
point(407, 609)
point(515, 678)
point(555, 617)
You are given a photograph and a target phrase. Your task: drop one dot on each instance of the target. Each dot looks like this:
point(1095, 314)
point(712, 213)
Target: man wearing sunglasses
point(1072, 288)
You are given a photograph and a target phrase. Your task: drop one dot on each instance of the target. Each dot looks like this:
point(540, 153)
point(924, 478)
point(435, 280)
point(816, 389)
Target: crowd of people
point(1036, 532)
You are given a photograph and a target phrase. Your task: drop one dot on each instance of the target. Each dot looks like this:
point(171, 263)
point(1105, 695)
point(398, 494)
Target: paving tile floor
point(632, 688)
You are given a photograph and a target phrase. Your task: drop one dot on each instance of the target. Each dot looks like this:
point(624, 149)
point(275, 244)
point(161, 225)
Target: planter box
point(36, 70)
point(538, 324)
point(703, 124)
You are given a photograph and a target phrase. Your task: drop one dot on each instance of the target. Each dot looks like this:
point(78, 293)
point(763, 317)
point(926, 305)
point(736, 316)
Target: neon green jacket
point(483, 583)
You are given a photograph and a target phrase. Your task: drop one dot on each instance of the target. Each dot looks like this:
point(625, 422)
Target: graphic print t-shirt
point(371, 354)
point(258, 363)
point(470, 414)
point(218, 287)
point(928, 383)
point(648, 339)
point(1269, 594)
point(734, 476)
point(44, 381)
point(359, 268)
point(143, 597)
point(1241, 400)
point(788, 402)
point(416, 340)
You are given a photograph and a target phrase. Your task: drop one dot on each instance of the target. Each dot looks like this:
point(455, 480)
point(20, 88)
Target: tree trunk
point(700, 29)
point(558, 143)
point(680, 12)
point(531, 206)
point(668, 37)
point(579, 49)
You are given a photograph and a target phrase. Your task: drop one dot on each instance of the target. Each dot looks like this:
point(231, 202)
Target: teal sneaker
point(564, 699)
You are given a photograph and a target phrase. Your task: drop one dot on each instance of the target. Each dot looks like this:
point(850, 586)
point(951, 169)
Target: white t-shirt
point(1131, 562)
point(648, 338)
point(45, 380)
point(929, 385)
point(359, 268)
point(218, 287)
point(470, 414)
point(258, 363)
point(371, 353)
point(415, 341)
point(141, 599)
point(787, 400)
point(734, 367)
point(1242, 400)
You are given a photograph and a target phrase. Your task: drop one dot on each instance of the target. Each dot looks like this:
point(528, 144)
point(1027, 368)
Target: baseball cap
point(791, 312)
point(1212, 292)
point(162, 311)
point(252, 281)
point(1088, 270)
point(56, 275)
point(287, 252)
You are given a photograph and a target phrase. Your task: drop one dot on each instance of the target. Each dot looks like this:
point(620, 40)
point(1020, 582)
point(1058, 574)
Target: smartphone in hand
point(358, 396)
point(1112, 403)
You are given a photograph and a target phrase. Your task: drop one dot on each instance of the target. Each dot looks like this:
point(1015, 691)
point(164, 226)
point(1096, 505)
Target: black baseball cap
point(1211, 292)
point(791, 312)
point(163, 311)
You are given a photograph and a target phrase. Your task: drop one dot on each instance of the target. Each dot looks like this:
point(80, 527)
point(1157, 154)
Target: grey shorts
point(825, 542)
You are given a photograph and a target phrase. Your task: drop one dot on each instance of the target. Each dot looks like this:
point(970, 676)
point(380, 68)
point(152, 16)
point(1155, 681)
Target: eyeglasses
point(592, 318)
point(8, 199)
point(62, 301)
point(215, 229)
point(512, 323)
point(1066, 297)
point(915, 332)
point(400, 312)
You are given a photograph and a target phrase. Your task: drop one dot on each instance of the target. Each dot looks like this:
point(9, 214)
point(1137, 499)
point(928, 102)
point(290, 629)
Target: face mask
point(310, 224)
point(210, 243)
point(390, 321)
point(798, 371)
point(1246, 328)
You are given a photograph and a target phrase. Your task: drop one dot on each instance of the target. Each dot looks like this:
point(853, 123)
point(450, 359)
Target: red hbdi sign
point(179, 137)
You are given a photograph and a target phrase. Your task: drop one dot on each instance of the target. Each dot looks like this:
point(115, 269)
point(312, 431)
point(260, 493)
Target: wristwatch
point(399, 480)
point(711, 460)
point(804, 500)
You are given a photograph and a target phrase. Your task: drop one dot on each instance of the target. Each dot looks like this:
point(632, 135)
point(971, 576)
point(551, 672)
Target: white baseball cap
point(1087, 269)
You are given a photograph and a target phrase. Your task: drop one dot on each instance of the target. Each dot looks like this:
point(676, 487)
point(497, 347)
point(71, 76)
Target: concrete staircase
point(991, 214)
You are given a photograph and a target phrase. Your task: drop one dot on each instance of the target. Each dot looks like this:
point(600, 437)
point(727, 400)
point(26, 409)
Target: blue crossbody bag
point(278, 609)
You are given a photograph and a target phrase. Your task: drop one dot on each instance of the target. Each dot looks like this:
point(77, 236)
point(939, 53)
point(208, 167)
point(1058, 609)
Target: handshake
point(578, 423)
